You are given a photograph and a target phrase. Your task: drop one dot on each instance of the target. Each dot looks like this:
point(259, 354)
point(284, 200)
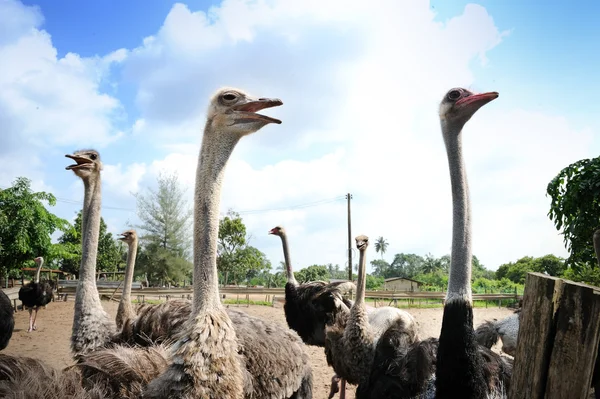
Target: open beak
point(80, 162)
point(272, 231)
point(247, 112)
point(121, 237)
point(478, 100)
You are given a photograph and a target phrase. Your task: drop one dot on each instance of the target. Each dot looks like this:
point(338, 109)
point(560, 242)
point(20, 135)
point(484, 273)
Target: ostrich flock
point(200, 349)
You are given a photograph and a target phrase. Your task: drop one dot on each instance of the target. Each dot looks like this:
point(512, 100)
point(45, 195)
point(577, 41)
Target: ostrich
point(92, 327)
point(309, 307)
point(125, 310)
point(7, 320)
point(453, 366)
point(351, 340)
point(208, 359)
point(460, 366)
point(35, 294)
point(507, 329)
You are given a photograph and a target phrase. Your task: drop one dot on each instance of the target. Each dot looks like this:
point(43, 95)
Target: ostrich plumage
point(27, 378)
point(209, 355)
point(453, 366)
point(35, 295)
point(506, 329)
point(309, 307)
point(7, 320)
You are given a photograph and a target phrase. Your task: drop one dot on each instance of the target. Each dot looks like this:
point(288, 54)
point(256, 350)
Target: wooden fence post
point(558, 339)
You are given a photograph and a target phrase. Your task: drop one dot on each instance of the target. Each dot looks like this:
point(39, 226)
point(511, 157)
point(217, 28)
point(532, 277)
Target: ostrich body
point(7, 320)
point(206, 358)
point(351, 340)
point(34, 295)
point(92, 327)
point(507, 329)
point(453, 366)
point(125, 310)
point(27, 378)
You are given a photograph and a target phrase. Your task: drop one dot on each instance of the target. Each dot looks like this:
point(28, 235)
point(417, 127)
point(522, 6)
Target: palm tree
point(381, 245)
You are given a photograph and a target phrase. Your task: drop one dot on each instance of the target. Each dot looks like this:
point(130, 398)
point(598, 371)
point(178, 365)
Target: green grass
point(245, 302)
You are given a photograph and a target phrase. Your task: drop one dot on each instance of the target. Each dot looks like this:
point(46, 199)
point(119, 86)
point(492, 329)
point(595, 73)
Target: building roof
point(387, 280)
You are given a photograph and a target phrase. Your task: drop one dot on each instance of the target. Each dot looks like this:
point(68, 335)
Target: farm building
point(402, 284)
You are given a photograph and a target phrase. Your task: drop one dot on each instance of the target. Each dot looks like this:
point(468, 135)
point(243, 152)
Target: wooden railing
point(270, 293)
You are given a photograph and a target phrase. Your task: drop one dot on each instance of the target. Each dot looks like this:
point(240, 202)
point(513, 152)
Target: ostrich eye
point(229, 97)
point(93, 157)
point(454, 95)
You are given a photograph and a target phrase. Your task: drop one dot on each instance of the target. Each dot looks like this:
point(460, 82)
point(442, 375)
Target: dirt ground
point(50, 342)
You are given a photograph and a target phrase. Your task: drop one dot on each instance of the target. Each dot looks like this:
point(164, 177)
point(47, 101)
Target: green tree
point(166, 234)
point(381, 246)
point(166, 216)
point(405, 265)
point(110, 253)
point(236, 258)
point(517, 271)
point(575, 210)
point(312, 273)
point(27, 226)
point(374, 283)
point(380, 268)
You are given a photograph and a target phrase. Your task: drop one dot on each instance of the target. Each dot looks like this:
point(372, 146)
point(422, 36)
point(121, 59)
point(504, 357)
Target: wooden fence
point(558, 339)
point(112, 290)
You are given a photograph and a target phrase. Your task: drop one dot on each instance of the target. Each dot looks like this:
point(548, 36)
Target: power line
point(300, 206)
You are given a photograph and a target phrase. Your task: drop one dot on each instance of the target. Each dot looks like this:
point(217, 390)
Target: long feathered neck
point(92, 327)
point(362, 276)
point(288, 262)
point(459, 281)
point(38, 271)
point(125, 310)
point(90, 230)
point(214, 153)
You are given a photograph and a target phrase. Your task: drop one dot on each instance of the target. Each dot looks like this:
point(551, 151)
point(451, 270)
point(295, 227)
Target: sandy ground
point(50, 342)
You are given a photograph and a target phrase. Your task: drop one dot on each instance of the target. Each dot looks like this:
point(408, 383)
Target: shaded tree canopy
point(312, 273)
point(575, 210)
point(26, 225)
point(237, 260)
point(517, 271)
point(110, 251)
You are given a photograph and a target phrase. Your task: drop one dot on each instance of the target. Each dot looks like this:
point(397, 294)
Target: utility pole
point(349, 197)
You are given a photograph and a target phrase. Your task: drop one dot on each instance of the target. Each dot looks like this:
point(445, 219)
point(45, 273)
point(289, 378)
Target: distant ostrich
point(506, 329)
point(7, 320)
point(208, 359)
point(453, 366)
point(125, 310)
point(351, 343)
point(34, 295)
point(310, 306)
point(92, 327)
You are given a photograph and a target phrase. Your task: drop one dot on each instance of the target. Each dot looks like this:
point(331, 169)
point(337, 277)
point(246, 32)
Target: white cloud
point(47, 101)
point(360, 91)
point(360, 94)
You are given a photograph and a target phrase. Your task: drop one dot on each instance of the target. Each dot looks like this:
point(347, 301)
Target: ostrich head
point(459, 105)
point(87, 163)
point(277, 230)
point(129, 236)
point(362, 242)
point(235, 112)
point(39, 260)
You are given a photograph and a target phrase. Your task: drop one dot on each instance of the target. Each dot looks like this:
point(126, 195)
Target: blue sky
point(360, 87)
